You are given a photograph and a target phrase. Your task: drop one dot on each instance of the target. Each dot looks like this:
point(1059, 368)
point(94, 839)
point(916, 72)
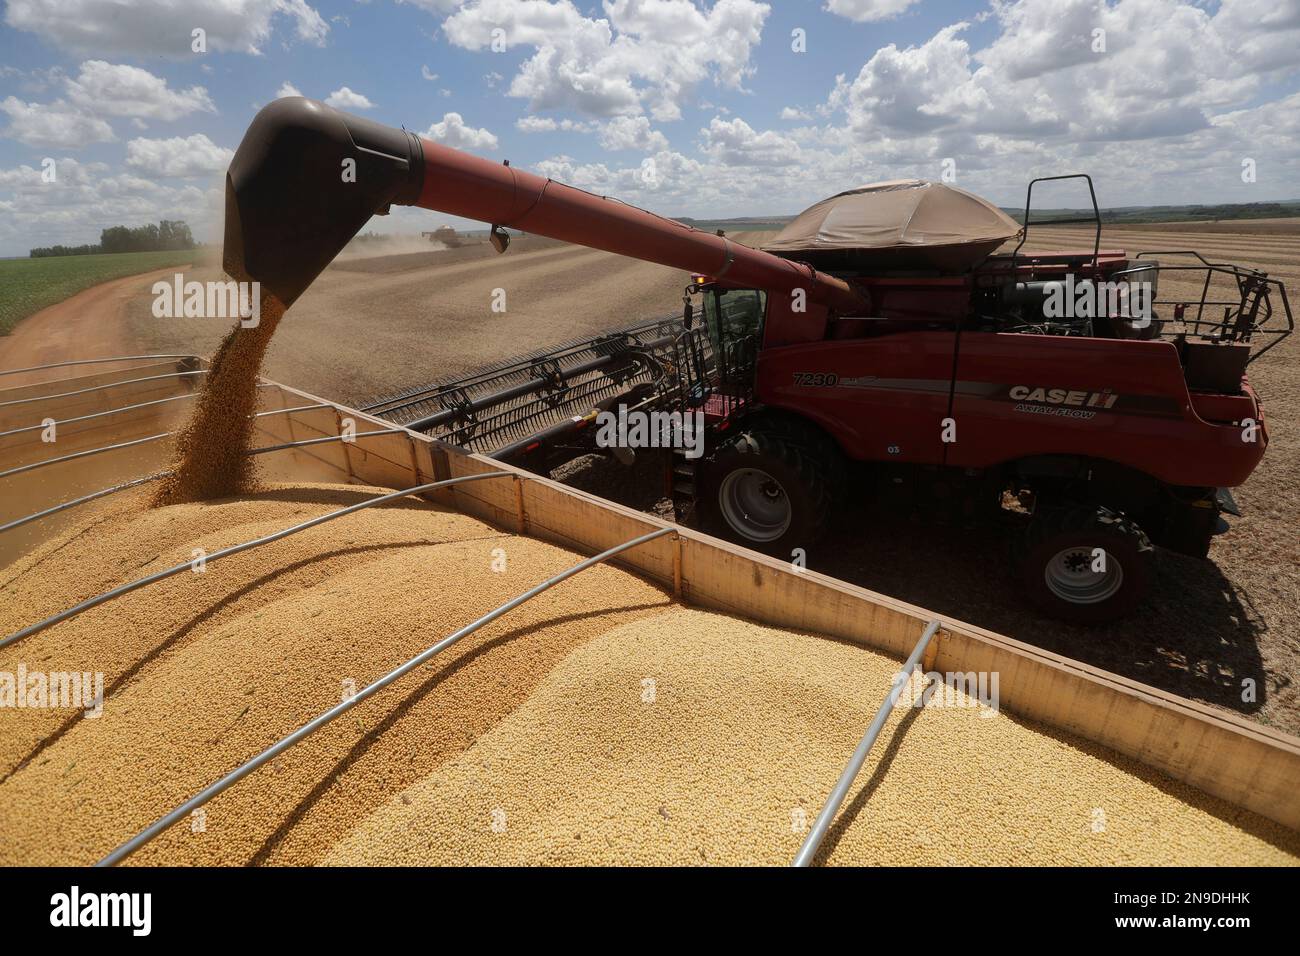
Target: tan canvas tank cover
point(902, 213)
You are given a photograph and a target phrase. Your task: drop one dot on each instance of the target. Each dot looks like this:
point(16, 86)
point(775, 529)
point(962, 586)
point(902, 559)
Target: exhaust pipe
point(304, 181)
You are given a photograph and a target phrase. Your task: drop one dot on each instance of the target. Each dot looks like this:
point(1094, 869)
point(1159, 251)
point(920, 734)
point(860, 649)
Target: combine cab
point(880, 346)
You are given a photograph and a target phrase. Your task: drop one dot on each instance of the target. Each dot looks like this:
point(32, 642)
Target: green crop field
point(29, 285)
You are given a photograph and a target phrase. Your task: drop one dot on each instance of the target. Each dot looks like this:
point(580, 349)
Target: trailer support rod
point(130, 586)
point(94, 495)
point(83, 454)
point(84, 499)
point(96, 361)
point(823, 823)
point(140, 441)
point(325, 440)
point(203, 796)
point(110, 411)
point(100, 388)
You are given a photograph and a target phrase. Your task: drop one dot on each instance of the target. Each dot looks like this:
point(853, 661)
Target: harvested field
point(1285, 226)
point(369, 326)
point(205, 669)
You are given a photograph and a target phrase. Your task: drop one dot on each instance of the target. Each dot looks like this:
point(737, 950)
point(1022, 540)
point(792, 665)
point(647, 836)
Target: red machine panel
point(1124, 401)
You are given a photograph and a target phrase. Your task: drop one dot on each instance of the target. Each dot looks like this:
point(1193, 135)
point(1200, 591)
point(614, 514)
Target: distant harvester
point(444, 234)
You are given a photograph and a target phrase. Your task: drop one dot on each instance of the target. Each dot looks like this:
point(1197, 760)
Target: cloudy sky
point(739, 107)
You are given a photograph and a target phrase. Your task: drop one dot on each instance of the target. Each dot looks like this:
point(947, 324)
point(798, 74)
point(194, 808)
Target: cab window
point(734, 314)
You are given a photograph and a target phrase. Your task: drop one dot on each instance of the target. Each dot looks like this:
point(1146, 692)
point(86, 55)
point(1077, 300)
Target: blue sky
point(688, 108)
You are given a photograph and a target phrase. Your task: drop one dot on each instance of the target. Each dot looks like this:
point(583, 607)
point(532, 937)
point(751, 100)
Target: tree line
point(167, 235)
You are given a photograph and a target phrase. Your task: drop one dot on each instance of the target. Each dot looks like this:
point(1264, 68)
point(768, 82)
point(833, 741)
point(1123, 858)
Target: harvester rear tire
point(1060, 571)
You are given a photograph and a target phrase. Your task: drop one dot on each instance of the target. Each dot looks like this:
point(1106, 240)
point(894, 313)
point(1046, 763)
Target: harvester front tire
point(745, 484)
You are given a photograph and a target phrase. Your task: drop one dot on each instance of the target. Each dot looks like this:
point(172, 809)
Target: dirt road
point(91, 324)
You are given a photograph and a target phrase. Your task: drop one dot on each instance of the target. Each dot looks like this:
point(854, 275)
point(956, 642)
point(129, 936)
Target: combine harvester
point(878, 349)
point(288, 215)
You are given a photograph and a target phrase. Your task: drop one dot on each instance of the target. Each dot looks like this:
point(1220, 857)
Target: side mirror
point(688, 314)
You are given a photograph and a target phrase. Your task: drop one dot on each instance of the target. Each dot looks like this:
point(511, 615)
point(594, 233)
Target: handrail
point(1248, 282)
point(1095, 218)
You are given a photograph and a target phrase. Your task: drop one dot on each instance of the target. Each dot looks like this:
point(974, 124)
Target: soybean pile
point(598, 723)
point(211, 459)
point(204, 670)
point(694, 738)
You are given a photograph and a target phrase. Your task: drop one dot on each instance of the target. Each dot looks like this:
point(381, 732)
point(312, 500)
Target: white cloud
point(1166, 115)
point(734, 142)
point(427, 73)
point(185, 157)
point(1184, 92)
point(632, 132)
point(741, 171)
point(621, 132)
point(433, 6)
point(57, 124)
point(536, 124)
point(116, 89)
point(287, 89)
point(544, 124)
point(1070, 70)
point(1261, 32)
point(452, 131)
point(162, 27)
point(639, 55)
point(663, 178)
point(565, 169)
point(345, 99)
point(100, 89)
point(86, 199)
point(865, 11)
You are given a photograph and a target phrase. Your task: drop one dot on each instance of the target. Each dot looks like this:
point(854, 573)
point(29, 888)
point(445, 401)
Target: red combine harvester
point(880, 346)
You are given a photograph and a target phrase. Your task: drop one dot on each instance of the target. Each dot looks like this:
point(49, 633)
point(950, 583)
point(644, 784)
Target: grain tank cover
point(901, 224)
